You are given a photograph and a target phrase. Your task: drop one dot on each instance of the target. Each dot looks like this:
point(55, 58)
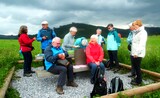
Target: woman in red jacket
point(95, 55)
point(26, 48)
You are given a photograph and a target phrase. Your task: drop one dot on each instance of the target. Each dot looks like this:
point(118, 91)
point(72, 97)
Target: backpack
point(100, 85)
point(116, 85)
point(106, 63)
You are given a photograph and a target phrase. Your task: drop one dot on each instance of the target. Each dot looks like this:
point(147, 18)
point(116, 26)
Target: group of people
point(53, 51)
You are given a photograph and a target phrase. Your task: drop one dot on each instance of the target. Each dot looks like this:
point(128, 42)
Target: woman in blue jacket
point(113, 42)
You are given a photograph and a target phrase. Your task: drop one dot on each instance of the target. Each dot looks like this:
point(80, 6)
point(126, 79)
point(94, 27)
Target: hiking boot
point(92, 82)
point(109, 68)
point(116, 70)
point(59, 90)
point(31, 71)
point(73, 84)
point(27, 75)
point(131, 75)
point(133, 82)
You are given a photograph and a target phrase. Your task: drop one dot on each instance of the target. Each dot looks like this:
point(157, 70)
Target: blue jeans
point(93, 68)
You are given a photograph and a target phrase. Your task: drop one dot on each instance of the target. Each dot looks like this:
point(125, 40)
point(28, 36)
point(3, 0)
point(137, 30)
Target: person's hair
point(55, 38)
point(73, 29)
point(22, 30)
point(94, 36)
point(111, 25)
point(99, 30)
point(137, 22)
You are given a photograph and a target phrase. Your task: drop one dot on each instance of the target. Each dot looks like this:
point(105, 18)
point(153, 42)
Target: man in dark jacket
point(53, 53)
point(45, 36)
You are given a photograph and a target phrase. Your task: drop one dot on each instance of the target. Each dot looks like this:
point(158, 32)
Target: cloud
point(60, 12)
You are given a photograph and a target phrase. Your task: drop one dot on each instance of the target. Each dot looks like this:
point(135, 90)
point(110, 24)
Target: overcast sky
point(14, 13)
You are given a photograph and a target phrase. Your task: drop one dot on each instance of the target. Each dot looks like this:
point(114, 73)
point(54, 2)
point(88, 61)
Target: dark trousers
point(63, 72)
point(43, 60)
point(133, 71)
point(136, 62)
point(93, 68)
point(113, 57)
point(27, 61)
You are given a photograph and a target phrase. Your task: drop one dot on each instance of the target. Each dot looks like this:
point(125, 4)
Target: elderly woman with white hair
point(95, 55)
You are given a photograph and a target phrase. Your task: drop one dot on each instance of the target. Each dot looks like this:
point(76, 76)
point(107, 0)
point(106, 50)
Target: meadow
point(9, 50)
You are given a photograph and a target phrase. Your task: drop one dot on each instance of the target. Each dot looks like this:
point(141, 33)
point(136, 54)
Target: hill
point(86, 30)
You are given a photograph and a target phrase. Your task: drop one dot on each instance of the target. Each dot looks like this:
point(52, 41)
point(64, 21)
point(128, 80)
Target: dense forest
point(86, 30)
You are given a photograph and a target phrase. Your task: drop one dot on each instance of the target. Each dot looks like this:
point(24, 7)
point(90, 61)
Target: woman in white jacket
point(138, 49)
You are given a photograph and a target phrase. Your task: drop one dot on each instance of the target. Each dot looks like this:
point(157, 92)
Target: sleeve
point(89, 55)
point(142, 43)
point(129, 40)
point(77, 42)
point(26, 40)
point(66, 53)
point(118, 40)
point(53, 34)
point(49, 55)
point(39, 38)
point(101, 54)
point(103, 39)
point(66, 42)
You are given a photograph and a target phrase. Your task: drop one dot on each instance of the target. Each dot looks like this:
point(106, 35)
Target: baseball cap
point(44, 22)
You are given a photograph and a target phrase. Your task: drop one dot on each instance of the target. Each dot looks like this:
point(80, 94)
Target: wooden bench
point(36, 60)
point(76, 68)
point(44, 73)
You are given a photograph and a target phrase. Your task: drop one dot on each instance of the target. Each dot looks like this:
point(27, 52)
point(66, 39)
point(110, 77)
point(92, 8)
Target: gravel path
point(33, 87)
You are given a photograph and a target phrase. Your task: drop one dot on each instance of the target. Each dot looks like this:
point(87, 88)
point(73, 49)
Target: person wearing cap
point(129, 41)
point(101, 40)
point(113, 43)
point(68, 40)
point(45, 36)
point(138, 49)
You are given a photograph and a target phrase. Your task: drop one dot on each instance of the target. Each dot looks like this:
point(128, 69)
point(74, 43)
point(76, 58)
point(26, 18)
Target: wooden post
point(135, 91)
point(7, 82)
point(80, 57)
point(155, 74)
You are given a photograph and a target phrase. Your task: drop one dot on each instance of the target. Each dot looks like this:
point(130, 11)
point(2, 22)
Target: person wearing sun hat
point(138, 49)
point(45, 36)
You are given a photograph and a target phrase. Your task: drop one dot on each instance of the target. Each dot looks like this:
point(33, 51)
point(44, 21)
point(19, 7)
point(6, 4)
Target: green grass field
point(9, 50)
